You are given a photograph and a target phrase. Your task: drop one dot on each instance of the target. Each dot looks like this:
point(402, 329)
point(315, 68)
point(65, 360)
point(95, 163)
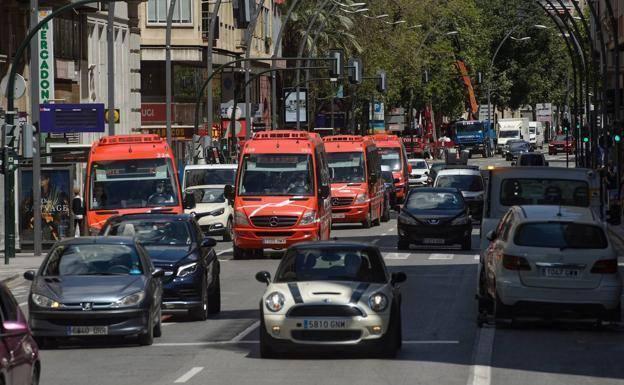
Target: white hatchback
point(214, 211)
point(420, 172)
point(551, 262)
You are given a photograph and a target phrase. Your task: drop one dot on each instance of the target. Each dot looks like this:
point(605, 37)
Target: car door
point(154, 285)
point(495, 249)
point(208, 255)
point(18, 347)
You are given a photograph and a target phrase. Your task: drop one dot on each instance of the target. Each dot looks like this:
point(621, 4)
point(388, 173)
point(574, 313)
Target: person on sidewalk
point(77, 207)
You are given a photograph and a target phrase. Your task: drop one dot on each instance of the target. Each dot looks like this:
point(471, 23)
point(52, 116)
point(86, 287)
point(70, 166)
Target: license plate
point(325, 324)
point(338, 216)
point(274, 241)
point(87, 330)
point(433, 241)
point(560, 273)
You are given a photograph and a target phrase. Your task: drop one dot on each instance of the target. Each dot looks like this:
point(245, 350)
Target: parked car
point(530, 159)
point(19, 354)
point(515, 148)
point(561, 143)
point(551, 261)
point(331, 294)
point(419, 176)
point(469, 182)
point(214, 212)
point(434, 216)
point(95, 286)
point(176, 244)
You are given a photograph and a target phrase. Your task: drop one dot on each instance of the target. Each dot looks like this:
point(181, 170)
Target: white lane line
point(188, 375)
point(253, 342)
point(396, 255)
point(22, 304)
point(246, 332)
point(168, 323)
point(441, 256)
point(481, 370)
point(225, 251)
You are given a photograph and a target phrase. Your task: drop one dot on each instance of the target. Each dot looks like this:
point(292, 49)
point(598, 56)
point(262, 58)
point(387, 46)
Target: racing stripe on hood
point(294, 291)
point(357, 293)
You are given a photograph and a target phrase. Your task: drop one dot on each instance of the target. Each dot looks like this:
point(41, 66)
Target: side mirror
point(324, 192)
point(189, 201)
point(228, 192)
point(263, 277)
point(158, 273)
point(208, 242)
point(491, 235)
point(398, 278)
point(29, 275)
point(14, 328)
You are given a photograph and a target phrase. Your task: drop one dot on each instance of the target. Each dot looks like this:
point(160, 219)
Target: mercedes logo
point(335, 201)
point(86, 306)
point(273, 221)
point(434, 221)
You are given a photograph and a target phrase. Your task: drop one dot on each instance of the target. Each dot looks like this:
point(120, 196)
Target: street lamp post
point(168, 69)
point(248, 38)
point(211, 34)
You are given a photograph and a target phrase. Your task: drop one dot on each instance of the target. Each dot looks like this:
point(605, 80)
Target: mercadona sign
point(46, 58)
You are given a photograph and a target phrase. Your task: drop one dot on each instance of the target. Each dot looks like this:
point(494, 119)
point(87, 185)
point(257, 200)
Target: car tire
point(368, 222)
point(201, 313)
point(214, 296)
point(227, 236)
point(147, 338)
point(158, 326)
point(386, 212)
point(35, 376)
point(403, 244)
point(467, 243)
point(267, 349)
point(389, 345)
point(501, 312)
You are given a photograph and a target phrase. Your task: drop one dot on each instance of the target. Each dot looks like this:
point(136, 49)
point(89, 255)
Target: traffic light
point(9, 129)
point(382, 81)
point(617, 138)
point(336, 64)
point(355, 71)
point(585, 139)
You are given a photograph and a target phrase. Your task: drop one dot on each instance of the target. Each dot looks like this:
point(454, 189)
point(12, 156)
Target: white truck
point(508, 129)
point(536, 134)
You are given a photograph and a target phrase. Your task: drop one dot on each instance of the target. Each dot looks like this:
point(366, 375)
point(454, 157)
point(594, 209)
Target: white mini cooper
point(331, 293)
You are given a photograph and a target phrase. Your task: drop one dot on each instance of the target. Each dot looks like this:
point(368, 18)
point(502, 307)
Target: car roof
point(154, 217)
point(333, 245)
point(435, 190)
point(113, 240)
point(556, 213)
point(458, 171)
point(218, 166)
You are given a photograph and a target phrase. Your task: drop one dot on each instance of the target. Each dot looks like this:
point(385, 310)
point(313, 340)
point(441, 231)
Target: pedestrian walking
point(77, 207)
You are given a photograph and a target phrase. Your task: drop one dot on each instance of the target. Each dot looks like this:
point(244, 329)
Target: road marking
point(22, 304)
point(246, 332)
point(481, 371)
point(441, 256)
point(476, 257)
point(168, 323)
point(188, 375)
point(253, 342)
point(397, 256)
point(225, 251)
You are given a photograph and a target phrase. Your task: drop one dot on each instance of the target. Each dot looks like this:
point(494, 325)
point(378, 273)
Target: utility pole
point(111, 68)
point(168, 68)
point(248, 38)
point(210, 110)
point(34, 120)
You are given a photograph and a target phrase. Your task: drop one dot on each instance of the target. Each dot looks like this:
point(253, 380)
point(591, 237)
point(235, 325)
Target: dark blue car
point(176, 244)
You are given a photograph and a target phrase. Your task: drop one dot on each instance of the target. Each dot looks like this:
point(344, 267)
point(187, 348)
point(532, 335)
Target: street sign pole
point(34, 119)
point(111, 65)
point(168, 68)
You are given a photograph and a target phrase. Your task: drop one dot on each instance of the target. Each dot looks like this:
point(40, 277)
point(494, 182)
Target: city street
point(441, 341)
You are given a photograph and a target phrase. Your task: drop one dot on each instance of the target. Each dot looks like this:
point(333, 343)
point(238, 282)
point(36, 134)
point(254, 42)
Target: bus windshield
point(469, 127)
point(391, 157)
point(133, 183)
point(346, 167)
point(276, 174)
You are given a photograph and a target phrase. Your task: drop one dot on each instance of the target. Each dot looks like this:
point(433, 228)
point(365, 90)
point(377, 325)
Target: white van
point(508, 129)
point(536, 135)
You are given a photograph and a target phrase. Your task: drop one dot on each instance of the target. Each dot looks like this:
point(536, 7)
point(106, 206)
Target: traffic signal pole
point(34, 119)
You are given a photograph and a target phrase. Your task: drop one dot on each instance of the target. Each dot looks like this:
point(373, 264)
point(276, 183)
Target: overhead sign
point(116, 115)
point(46, 58)
point(483, 113)
point(292, 104)
point(66, 118)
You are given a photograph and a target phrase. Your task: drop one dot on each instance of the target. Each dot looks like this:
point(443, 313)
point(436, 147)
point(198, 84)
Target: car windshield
point(418, 164)
point(469, 127)
point(331, 265)
point(561, 235)
point(346, 167)
point(93, 259)
point(435, 201)
point(518, 145)
point(562, 138)
point(136, 183)
point(391, 157)
point(509, 134)
point(152, 232)
point(532, 130)
point(460, 182)
point(208, 195)
point(206, 176)
point(531, 160)
point(276, 174)
point(544, 192)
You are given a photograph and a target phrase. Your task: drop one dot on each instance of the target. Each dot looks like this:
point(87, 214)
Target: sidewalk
point(18, 265)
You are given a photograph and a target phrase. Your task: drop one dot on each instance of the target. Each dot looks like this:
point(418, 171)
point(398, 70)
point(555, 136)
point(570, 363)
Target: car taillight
point(512, 262)
point(605, 266)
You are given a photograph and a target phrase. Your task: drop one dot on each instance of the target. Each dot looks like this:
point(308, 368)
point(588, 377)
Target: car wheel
point(214, 296)
point(467, 243)
point(227, 236)
point(158, 326)
point(390, 344)
point(36, 373)
point(501, 312)
point(403, 244)
point(201, 313)
point(147, 338)
point(267, 350)
point(386, 212)
point(368, 222)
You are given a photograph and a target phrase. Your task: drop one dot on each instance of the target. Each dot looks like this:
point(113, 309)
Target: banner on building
point(46, 58)
point(291, 106)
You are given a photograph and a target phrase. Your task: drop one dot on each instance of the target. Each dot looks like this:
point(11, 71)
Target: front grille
point(345, 210)
point(274, 221)
point(325, 311)
point(75, 321)
point(181, 294)
point(326, 335)
point(343, 201)
point(275, 233)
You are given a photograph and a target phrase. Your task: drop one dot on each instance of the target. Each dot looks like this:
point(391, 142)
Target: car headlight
point(240, 219)
point(406, 219)
point(308, 218)
point(378, 302)
point(464, 219)
point(217, 212)
point(361, 198)
point(130, 300)
point(187, 269)
point(275, 301)
point(43, 301)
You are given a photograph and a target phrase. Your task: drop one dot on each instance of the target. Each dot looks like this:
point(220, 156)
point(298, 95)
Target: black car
point(515, 148)
point(176, 244)
point(95, 286)
point(530, 159)
point(434, 216)
point(390, 190)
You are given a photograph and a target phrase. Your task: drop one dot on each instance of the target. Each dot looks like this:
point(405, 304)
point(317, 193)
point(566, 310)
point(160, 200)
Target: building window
point(157, 11)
